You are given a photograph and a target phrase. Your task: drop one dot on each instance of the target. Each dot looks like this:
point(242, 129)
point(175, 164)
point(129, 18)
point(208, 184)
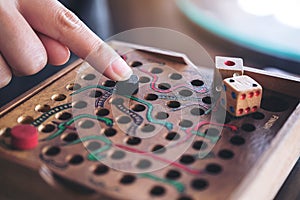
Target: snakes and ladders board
point(169, 140)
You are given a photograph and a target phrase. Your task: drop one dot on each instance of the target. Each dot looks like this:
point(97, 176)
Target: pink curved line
point(189, 133)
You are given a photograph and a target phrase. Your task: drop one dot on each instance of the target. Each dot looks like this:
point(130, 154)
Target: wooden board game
point(170, 140)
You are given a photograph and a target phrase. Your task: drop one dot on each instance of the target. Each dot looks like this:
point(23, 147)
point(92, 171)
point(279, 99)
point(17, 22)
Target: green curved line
point(94, 155)
point(168, 125)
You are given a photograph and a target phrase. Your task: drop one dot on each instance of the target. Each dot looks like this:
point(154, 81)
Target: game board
point(171, 140)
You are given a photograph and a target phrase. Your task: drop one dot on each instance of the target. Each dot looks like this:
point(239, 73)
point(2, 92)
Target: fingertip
point(62, 58)
point(5, 80)
point(118, 70)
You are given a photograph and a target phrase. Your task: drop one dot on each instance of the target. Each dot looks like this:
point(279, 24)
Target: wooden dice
point(229, 66)
point(241, 95)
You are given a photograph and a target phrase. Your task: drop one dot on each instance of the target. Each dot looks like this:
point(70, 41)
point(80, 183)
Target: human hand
point(34, 32)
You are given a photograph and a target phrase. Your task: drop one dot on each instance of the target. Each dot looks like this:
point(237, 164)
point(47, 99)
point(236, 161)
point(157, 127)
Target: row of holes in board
point(185, 159)
point(171, 174)
point(146, 128)
point(154, 70)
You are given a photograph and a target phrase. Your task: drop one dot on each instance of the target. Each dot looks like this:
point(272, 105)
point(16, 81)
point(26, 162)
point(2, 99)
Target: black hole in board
point(133, 141)
point(258, 115)
point(213, 168)
point(76, 160)
point(118, 155)
point(248, 127)
point(173, 174)
point(156, 70)
point(86, 124)
point(124, 120)
point(274, 104)
point(173, 104)
point(136, 64)
point(102, 112)
point(65, 116)
point(42, 108)
point(70, 137)
point(176, 76)
point(164, 86)
point(197, 111)
point(110, 132)
point(151, 97)
point(213, 132)
point(48, 128)
point(52, 151)
point(73, 86)
point(197, 145)
point(148, 128)
point(127, 179)
point(109, 83)
point(225, 154)
point(186, 93)
point(185, 198)
point(58, 97)
point(80, 104)
point(185, 123)
point(206, 100)
point(172, 136)
point(143, 164)
point(89, 77)
point(101, 170)
point(187, 159)
point(197, 82)
point(95, 94)
point(144, 79)
point(92, 146)
point(199, 184)
point(158, 149)
point(157, 191)
point(138, 108)
point(222, 117)
point(237, 140)
point(162, 115)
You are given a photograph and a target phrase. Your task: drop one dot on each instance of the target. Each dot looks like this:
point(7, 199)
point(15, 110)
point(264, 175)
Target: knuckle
point(66, 20)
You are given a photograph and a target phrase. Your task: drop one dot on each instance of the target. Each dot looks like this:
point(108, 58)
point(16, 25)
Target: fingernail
point(121, 70)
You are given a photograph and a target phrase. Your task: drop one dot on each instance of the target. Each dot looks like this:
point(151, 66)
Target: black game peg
point(128, 87)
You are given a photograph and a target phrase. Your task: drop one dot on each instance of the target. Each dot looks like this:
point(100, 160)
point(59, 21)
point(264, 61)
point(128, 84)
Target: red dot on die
point(243, 96)
point(254, 108)
point(247, 110)
point(240, 111)
point(257, 93)
point(251, 94)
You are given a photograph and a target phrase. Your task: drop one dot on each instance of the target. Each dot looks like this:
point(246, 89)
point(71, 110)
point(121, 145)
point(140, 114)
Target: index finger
point(54, 20)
